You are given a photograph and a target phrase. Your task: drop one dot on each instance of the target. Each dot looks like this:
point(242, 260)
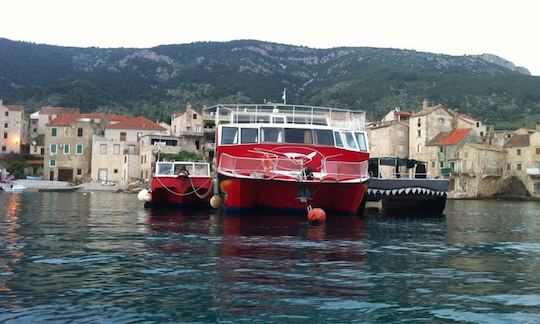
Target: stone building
point(116, 154)
point(479, 171)
point(68, 145)
point(424, 126)
point(389, 138)
point(523, 158)
point(153, 144)
point(13, 129)
point(189, 126)
point(38, 126)
point(442, 151)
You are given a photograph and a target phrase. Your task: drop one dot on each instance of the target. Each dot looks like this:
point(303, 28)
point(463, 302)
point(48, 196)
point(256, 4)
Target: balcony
point(533, 172)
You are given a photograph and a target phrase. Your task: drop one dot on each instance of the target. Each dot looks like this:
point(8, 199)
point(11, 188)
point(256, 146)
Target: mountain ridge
point(165, 78)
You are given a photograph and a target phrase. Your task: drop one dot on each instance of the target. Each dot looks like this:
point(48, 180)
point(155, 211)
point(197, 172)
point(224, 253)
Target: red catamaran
point(291, 157)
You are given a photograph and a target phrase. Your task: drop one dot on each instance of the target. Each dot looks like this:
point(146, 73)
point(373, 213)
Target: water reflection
point(103, 258)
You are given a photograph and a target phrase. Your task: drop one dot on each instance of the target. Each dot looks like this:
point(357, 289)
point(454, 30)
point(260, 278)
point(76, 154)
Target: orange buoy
point(316, 216)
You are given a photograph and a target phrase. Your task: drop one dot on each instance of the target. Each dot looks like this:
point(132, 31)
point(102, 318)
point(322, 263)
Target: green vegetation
point(180, 156)
point(158, 81)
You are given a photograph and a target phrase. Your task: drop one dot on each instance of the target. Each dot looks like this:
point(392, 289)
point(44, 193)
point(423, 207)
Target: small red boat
point(179, 183)
point(291, 158)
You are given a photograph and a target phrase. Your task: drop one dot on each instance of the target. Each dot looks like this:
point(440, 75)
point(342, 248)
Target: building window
point(115, 171)
point(441, 149)
point(441, 164)
point(7, 113)
point(53, 149)
point(5, 135)
point(537, 187)
point(103, 149)
point(6, 125)
point(419, 122)
point(116, 149)
point(518, 152)
point(122, 136)
point(79, 172)
point(79, 149)
point(441, 120)
point(54, 131)
point(4, 148)
point(79, 132)
point(66, 148)
point(432, 164)
point(52, 163)
point(538, 151)
point(125, 159)
point(518, 167)
point(194, 116)
point(418, 133)
point(418, 148)
point(477, 124)
point(508, 167)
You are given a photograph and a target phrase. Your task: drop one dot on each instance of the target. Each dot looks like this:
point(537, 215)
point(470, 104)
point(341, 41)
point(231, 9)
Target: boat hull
point(181, 191)
point(245, 194)
point(410, 196)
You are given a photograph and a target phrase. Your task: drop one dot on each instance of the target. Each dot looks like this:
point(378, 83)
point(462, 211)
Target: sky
point(508, 29)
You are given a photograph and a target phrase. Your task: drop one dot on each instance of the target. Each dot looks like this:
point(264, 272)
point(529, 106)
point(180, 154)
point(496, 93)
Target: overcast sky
point(505, 28)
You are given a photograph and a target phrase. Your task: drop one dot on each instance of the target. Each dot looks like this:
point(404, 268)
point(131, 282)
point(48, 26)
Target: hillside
point(157, 81)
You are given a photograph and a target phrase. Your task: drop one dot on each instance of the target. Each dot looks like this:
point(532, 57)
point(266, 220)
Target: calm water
point(103, 258)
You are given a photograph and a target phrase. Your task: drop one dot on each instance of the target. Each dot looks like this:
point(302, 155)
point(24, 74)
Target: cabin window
point(298, 136)
point(339, 142)
point(324, 137)
point(361, 139)
point(249, 135)
point(350, 141)
point(229, 135)
point(272, 135)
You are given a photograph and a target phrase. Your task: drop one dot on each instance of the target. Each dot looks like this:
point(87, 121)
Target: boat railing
point(404, 175)
point(263, 167)
point(196, 169)
point(287, 114)
point(343, 171)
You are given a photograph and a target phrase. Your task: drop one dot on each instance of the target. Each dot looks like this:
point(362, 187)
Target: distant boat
point(63, 189)
point(15, 187)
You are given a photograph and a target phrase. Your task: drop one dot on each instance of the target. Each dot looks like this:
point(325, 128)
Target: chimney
point(425, 103)
point(188, 106)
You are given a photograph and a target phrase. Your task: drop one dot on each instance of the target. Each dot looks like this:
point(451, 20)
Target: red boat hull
point(240, 194)
point(181, 190)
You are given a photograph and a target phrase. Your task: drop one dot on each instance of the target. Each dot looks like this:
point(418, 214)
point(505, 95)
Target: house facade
point(390, 138)
point(13, 129)
point(68, 145)
point(423, 127)
point(189, 126)
point(116, 154)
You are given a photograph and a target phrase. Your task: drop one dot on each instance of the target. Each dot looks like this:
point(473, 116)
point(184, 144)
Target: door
point(65, 174)
point(102, 175)
point(51, 175)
